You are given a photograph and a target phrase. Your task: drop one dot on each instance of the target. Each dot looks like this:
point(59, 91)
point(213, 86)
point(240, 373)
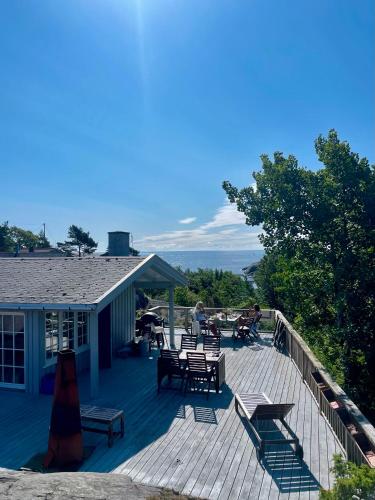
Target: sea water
point(227, 260)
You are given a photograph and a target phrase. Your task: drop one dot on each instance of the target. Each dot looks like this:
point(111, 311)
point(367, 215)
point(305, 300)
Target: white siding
point(123, 318)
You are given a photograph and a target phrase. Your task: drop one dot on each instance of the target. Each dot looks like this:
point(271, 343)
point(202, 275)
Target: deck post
point(94, 355)
point(171, 317)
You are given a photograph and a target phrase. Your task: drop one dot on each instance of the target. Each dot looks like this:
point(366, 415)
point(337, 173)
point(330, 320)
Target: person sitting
point(200, 315)
point(256, 314)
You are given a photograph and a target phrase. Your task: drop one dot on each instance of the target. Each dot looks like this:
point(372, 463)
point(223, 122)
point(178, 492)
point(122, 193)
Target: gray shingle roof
point(61, 280)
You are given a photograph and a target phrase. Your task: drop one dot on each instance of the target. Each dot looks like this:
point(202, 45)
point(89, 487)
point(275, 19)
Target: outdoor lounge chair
point(258, 407)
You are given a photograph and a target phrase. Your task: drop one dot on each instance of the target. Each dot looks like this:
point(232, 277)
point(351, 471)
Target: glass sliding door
point(12, 350)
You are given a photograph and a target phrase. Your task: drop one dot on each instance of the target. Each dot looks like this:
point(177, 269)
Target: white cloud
point(215, 234)
point(188, 220)
point(227, 215)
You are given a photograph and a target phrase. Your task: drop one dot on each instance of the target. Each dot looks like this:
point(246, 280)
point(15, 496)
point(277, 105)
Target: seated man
point(200, 315)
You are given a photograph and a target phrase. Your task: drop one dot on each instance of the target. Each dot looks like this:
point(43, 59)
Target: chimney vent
point(118, 243)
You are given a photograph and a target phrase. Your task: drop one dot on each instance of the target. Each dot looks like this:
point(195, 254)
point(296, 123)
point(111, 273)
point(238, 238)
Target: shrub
point(352, 482)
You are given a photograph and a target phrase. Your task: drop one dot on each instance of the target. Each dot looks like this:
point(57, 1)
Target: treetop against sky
point(129, 114)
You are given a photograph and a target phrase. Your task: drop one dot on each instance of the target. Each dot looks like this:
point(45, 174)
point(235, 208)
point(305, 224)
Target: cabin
point(82, 303)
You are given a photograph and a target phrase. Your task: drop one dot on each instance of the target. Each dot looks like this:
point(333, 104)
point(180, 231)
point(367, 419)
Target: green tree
point(24, 238)
point(13, 238)
point(6, 242)
point(215, 288)
point(43, 241)
point(79, 241)
point(319, 237)
point(352, 481)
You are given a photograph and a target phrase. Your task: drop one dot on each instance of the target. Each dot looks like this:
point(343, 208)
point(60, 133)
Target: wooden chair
point(198, 370)
point(257, 407)
point(243, 329)
point(212, 328)
point(170, 365)
point(189, 342)
point(211, 343)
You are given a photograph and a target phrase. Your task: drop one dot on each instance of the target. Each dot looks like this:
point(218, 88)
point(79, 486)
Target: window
point(82, 321)
point(65, 330)
point(68, 330)
point(52, 334)
point(12, 349)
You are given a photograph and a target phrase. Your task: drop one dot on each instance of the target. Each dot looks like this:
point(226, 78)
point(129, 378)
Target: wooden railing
point(320, 383)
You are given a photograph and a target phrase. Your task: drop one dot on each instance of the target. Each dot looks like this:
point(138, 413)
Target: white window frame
point(12, 385)
point(77, 349)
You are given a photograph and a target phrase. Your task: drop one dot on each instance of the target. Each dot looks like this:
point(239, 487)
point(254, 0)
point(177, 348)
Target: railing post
point(171, 317)
point(320, 400)
point(186, 320)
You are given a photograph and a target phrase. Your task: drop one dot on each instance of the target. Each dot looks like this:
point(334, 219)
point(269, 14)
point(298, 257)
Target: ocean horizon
point(226, 260)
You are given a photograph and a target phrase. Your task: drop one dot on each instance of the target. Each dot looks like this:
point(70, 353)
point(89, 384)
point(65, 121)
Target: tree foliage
point(319, 267)
point(79, 242)
point(215, 288)
point(352, 481)
point(13, 238)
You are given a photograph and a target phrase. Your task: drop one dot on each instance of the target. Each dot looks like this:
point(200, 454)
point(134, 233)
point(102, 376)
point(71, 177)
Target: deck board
point(188, 443)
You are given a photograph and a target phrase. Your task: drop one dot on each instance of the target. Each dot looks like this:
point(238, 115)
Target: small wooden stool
point(103, 416)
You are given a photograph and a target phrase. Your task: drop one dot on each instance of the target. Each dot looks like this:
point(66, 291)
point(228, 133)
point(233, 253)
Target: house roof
point(45, 282)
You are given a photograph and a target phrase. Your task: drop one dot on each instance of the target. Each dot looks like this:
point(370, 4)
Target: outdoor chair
point(257, 408)
point(198, 371)
point(211, 343)
point(212, 329)
point(158, 335)
point(170, 365)
point(243, 329)
point(189, 342)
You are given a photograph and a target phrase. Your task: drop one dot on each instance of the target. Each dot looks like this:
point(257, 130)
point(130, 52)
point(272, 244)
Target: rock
point(17, 485)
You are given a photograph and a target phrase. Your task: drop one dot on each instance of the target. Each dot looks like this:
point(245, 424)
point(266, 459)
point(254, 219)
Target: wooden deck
point(192, 445)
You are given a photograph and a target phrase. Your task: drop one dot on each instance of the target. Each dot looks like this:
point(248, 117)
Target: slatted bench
point(105, 417)
point(257, 407)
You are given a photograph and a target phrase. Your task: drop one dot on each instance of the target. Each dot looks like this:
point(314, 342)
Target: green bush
point(352, 482)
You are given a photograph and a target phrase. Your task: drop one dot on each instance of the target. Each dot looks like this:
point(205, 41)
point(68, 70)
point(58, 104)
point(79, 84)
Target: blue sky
point(129, 114)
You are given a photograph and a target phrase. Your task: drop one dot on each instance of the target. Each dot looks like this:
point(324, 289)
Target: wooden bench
point(104, 417)
point(257, 407)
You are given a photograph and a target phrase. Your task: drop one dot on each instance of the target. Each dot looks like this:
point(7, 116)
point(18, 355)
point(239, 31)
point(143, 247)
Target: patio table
point(221, 318)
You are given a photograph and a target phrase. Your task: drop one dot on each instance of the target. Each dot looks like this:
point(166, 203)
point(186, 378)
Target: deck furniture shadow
point(257, 407)
point(105, 417)
point(171, 366)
